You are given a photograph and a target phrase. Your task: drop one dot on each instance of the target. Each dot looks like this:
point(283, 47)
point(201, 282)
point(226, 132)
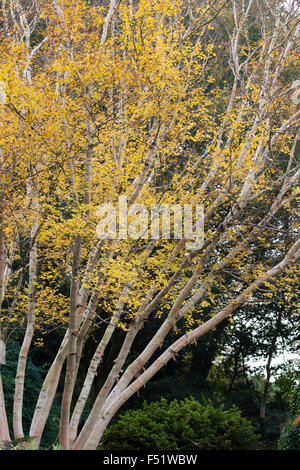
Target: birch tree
point(163, 103)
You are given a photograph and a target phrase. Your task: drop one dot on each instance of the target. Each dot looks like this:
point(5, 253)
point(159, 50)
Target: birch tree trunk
point(4, 430)
point(72, 343)
point(23, 355)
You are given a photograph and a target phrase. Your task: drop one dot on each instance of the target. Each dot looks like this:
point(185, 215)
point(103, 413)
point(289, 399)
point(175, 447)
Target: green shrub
point(290, 437)
point(180, 425)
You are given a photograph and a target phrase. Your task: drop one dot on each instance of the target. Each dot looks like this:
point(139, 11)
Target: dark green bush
point(180, 425)
point(290, 437)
